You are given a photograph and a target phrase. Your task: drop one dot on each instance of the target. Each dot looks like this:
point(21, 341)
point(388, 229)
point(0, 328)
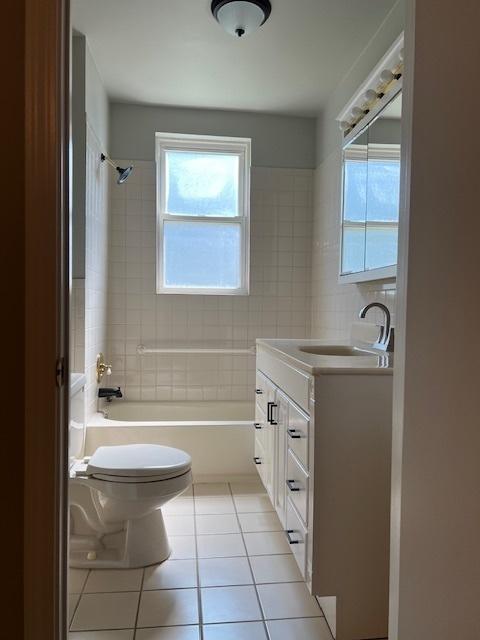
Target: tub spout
point(109, 393)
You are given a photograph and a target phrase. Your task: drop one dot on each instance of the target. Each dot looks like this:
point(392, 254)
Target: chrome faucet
point(386, 337)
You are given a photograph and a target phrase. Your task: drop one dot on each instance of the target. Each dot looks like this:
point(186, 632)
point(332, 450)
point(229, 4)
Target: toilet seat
point(137, 463)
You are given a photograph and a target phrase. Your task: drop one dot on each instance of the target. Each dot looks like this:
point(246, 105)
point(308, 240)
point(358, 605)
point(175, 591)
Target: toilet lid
point(139, 460)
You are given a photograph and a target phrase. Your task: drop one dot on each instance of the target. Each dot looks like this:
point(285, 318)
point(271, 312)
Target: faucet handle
point(102, 367)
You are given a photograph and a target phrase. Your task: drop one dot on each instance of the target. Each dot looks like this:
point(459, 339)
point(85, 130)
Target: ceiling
point(174, 52)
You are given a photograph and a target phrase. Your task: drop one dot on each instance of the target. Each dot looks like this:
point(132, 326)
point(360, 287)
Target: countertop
point(375, 363)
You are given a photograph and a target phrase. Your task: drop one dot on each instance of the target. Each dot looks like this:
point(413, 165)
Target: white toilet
point(116, 497)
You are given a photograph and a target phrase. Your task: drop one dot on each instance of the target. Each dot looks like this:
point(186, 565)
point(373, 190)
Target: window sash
point(211, 145)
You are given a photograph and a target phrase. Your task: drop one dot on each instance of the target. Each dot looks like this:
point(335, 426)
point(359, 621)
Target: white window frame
point(165, 142)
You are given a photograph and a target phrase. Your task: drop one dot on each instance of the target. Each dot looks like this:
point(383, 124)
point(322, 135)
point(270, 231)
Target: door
point(265, 423)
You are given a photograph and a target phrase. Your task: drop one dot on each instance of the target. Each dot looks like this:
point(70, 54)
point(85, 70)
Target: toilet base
point(141, 542)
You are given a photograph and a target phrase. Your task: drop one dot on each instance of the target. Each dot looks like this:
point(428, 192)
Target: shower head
point(123, 173)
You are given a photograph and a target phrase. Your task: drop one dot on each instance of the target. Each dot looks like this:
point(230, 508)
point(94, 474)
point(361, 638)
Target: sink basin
point(334, 350)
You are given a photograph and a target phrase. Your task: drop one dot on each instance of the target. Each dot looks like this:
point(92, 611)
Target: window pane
point(353, 249)
point(202, 184)
point(202, 255)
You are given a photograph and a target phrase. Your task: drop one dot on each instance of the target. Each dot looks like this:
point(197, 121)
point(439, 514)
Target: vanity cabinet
point(322, 444)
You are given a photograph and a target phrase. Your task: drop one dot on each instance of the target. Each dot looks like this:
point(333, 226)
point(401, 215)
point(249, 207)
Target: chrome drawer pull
point(257, 425)
point(288, 533)
point(290, 485)
point(257, 460)
point(293, 433)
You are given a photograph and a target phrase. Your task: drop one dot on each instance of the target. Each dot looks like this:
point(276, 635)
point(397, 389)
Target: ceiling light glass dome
point(241, 17)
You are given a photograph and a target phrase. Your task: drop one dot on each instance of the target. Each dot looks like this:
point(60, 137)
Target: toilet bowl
point(115, 500)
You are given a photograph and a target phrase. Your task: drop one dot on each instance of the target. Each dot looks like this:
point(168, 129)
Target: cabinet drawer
point(297, 537)
point(297, 485)
point(298, 434)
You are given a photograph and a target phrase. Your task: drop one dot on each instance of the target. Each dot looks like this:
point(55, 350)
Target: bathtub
point(218, 435)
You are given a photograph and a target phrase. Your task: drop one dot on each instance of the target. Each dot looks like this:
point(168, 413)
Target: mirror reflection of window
point(371, 194)
point(355, 159)
point(383, 196)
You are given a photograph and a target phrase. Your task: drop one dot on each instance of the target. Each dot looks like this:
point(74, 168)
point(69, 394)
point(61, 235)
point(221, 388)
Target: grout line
point(197, 568)
point(70, 622)
point(250, 567)
point(138, 603)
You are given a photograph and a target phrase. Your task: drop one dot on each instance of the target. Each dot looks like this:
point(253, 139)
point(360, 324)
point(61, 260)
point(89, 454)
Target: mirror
point(371, 195)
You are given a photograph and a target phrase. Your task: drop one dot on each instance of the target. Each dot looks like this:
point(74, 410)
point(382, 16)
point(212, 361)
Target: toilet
point(116, 495)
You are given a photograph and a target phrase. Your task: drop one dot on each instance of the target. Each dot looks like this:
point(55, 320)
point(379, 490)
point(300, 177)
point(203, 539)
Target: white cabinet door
point(269, 435)
point(282, 403)
point(266, 412)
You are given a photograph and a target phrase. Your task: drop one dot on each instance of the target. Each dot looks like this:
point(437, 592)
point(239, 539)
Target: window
point(203, 197)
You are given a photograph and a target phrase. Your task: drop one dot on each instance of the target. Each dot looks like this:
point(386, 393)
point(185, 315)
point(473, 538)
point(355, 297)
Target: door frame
point(46, 284)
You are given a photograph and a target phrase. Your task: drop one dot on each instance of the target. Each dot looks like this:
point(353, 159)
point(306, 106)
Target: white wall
point(96, 264)
point(335, 306)
point(79, 135)
point(278, 304)
point(96, 101)
point(277, 141)
point(435, 567)
point(328, 134)
point(90, 131)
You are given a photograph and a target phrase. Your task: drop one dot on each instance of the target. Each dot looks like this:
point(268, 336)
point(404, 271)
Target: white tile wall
point(278, 304)
point(335, 306)
point(96, 264)
point(77, 325)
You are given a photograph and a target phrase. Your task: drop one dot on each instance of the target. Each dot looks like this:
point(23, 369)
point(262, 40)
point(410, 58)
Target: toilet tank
point(76, 430)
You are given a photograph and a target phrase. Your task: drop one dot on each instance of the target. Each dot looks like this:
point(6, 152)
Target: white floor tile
point(230, 604)
point(255, 487)
point(219, 572)
point(105, 611)
point(171, 574)
point(76, 580)
point(125, 634)
point(266, 543)
point(169, 633)
point(179, 525)
point(211, 489)
point(221, 523)
point(291, 600)
point(168, 608)
point(183, 547)
point(73, 599)
point(306, 629)
point(235, 631)
point(205, 505)
point(278, 568)
point(111, 580)
point(253, 504)
point(220, 546)
point(182, 506)
point(251, 522)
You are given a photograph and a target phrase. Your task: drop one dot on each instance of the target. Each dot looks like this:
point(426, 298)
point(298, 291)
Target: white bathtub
point(217, 435)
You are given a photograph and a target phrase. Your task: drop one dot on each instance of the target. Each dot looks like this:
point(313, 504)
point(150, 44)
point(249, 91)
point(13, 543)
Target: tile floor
point(231, 576)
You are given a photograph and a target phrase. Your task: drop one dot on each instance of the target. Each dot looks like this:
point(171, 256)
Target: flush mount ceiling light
point(241, 17)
